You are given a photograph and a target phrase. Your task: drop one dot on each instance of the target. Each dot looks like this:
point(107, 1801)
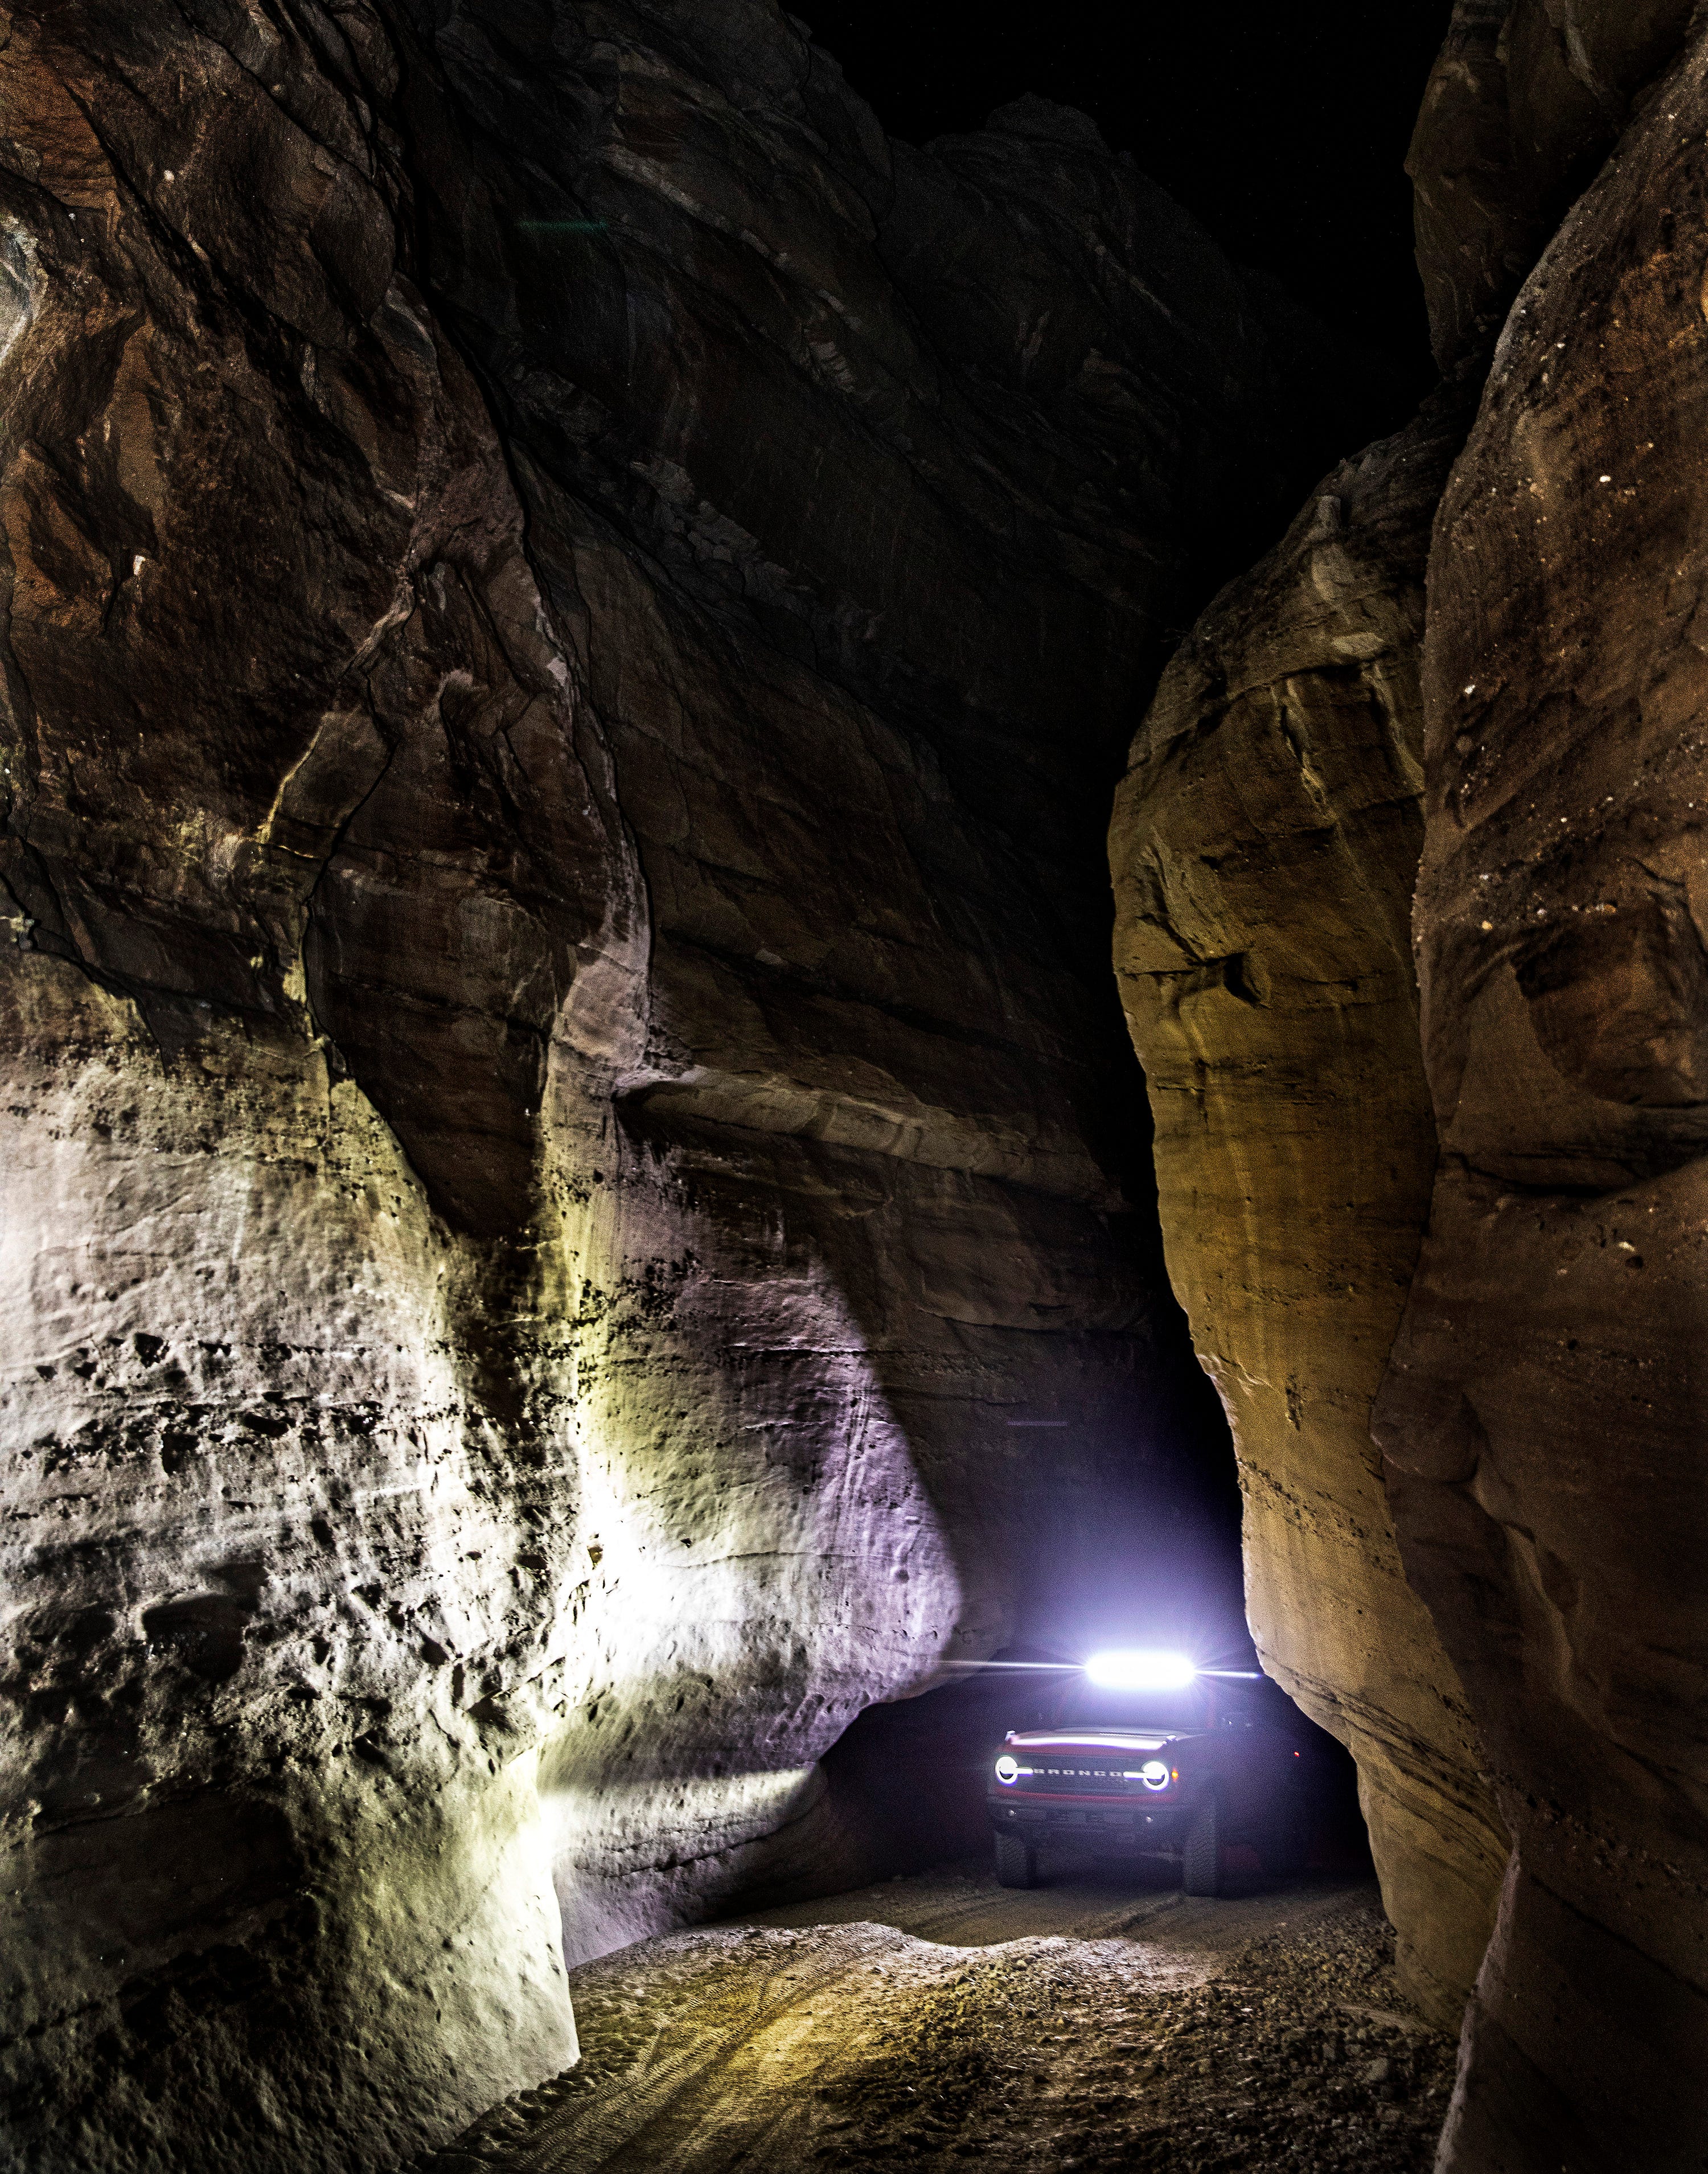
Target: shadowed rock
point(1525, 100)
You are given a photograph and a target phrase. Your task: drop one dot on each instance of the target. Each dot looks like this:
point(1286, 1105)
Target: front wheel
point(1201, 1856)
point(1016, 1861)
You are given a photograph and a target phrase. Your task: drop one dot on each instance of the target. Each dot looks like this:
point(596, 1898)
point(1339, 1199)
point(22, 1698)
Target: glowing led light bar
point(1140, 1672)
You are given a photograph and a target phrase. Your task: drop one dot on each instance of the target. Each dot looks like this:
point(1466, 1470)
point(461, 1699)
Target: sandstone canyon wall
point(1264, 846)
point(1525, 101)
point(1541, 1422)
point(570, 1224)
point(1534, 1435)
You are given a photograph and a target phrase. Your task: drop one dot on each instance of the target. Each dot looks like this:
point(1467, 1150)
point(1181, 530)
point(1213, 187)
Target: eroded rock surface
point(1267, 984)
point(1542, 1421)
point(568, 607)
point(1525, 100)
point(1264, 847)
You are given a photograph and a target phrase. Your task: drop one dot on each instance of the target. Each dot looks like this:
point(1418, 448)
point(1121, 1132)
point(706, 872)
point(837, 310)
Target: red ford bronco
point(1183, 1770)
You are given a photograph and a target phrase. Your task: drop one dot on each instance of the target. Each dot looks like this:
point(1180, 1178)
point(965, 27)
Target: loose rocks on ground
point(858, 2045)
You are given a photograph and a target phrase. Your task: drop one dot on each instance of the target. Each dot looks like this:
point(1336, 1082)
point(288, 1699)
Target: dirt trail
point(961, 1906)
point(1100, 2021)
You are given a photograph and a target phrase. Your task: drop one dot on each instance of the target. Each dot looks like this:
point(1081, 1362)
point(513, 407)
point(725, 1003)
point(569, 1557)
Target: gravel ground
point(1150, 2032)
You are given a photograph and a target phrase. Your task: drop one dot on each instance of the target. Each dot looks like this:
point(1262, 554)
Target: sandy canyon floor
point(1102, 2020)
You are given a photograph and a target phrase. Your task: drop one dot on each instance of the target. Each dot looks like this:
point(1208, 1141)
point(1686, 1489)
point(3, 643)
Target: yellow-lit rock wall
point(1264, 848)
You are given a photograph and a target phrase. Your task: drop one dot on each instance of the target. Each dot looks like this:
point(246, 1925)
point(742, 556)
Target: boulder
point(1264, 847)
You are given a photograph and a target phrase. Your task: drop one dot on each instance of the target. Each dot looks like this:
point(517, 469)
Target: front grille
point(1065, 1779)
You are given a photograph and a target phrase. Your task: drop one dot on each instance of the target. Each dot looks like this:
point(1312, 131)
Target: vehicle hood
point(1099, 1739)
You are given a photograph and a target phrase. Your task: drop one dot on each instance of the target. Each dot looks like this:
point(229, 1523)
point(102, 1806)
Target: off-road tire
point(1016, 1861)
point(1201, 1854)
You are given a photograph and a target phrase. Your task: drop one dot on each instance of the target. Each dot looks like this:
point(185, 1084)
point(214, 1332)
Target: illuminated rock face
point(568, 609)
point(1541, 1419)
point(1535, 1429)
point(1264, 848)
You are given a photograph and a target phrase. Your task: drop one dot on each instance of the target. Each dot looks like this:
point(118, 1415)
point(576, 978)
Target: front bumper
point(1139, 1825)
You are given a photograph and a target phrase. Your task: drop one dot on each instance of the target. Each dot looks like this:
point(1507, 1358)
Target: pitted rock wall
point(568, 609)
point(1540, 1422)
point(1267, 990)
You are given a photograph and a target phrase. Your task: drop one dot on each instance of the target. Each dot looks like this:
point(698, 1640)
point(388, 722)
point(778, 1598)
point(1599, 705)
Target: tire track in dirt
point(678, 2089)
point(1146, 2031)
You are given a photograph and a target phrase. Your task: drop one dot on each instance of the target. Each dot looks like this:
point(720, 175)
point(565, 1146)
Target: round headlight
point(1008, 1768)
point(1154, 1774)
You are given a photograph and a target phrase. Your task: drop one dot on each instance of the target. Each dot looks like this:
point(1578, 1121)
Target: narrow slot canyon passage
point(854, 991)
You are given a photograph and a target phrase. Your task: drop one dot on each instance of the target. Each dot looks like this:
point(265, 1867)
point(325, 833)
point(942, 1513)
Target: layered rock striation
point(569, 609)
point(1264, 846)
point(1533, 1456)
point(1541, 1420)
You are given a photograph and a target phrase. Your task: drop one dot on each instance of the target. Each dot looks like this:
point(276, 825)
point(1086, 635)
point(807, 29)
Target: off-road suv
point(1180, 1773)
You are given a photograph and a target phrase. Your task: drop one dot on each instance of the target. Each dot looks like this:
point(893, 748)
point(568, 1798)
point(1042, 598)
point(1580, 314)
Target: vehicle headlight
point(1008, 1768)
point(1154, 1774)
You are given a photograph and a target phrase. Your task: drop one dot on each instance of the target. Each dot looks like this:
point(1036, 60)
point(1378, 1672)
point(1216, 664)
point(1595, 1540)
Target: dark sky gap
point(1282, 124)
